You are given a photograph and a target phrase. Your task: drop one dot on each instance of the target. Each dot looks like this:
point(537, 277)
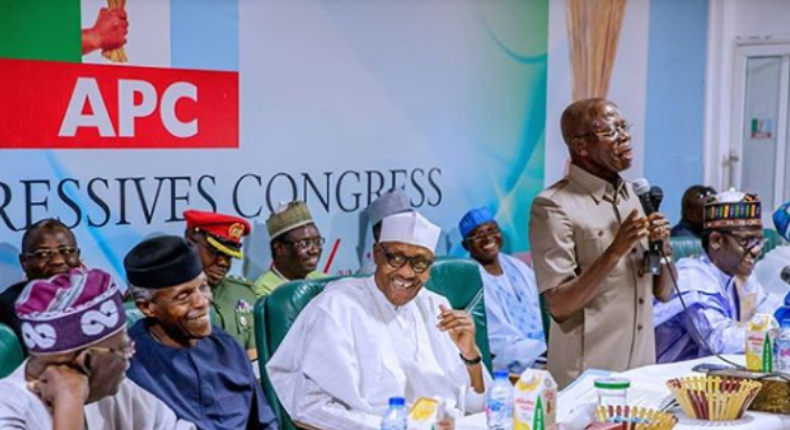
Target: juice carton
point(430, 414)
point(534, 401)
point(760, 338)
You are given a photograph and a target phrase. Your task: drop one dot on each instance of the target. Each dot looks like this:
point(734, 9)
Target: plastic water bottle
point(499, 407)
point(783, 348)
point(396, 417)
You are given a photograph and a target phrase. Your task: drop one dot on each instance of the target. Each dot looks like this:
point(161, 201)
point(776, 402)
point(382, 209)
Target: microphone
point(656, 196)
point(785, 275)
point(646, 196)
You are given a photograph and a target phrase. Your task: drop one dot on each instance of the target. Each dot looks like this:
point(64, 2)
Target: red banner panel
point(83, 106)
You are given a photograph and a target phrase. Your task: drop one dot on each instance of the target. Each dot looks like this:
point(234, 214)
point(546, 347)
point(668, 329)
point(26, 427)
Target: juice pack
point(534, 401)
point(760, 338)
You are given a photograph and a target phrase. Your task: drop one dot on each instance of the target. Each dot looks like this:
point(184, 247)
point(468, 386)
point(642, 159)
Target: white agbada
point(132, 408)
point(350, 350)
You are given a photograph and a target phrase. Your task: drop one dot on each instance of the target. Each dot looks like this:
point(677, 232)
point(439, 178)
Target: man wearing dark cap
point(217, 238)
point(73, 325)
point(296, 246)
point(48, 248)
point(392, 202)
point(718, 288)
point(198, 370)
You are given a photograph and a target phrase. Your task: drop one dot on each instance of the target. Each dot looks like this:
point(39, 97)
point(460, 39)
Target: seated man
point(217, 238)
point(717, 287)
point(692, 206)
point(515, 324)
point(296, 246)
point(201, 372)
point(392, 202)
point(48, 248)
point(74, 328)
point(364, 340)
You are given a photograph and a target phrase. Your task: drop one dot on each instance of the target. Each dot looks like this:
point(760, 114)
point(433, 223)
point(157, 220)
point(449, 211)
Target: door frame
point(734, 151)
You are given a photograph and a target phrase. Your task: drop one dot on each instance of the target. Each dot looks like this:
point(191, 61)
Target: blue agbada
point(211, 385)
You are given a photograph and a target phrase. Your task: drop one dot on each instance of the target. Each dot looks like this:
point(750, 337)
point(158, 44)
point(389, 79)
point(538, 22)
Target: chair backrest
point(11, 355)
point(274, 315)
point(455, 278)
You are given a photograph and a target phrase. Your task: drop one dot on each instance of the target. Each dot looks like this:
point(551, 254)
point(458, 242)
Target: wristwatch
point(469, 362)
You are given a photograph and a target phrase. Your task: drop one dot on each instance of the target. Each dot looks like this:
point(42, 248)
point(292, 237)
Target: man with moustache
point(587, 234)
point(296, 246)
point(217, 238)
point(198, 370)
point(513, 316)
point(718, 288)
point(48, 248)
point(75, 331)
point(364, 340)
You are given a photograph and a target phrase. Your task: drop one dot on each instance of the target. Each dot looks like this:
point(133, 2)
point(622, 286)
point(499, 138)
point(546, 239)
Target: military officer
point(218, 241)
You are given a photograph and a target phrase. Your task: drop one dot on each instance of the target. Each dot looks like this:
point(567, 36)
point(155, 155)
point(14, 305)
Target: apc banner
point(117, 119)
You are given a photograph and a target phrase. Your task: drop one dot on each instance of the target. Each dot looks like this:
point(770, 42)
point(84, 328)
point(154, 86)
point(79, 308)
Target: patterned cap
point(392, 202)
point(473, 219)
point(410, 228)
point(223, 232)
point(732, 209)
point(782, 220)
point(287, 217)
point(70, 311)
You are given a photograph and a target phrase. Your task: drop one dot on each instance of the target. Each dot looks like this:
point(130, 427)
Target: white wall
point(732, 22)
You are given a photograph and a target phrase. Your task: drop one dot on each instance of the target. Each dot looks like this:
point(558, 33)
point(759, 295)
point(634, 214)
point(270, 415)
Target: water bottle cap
point(397, 401)
point(501, 374)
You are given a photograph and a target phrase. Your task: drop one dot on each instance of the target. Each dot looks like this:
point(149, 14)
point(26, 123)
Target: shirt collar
point(598, 188)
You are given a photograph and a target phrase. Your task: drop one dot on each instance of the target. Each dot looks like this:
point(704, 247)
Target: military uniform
point(233, 303)
point(233, 299)
point(572, 223)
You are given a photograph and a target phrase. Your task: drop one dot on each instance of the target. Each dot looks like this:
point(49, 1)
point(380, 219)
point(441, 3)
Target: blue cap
point(397, 401)
point(501, 374)
point(473, 219)
point(782, 220)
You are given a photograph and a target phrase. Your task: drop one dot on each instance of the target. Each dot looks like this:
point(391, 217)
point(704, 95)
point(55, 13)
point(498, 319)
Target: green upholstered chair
point(457, 279)
point(11, 355)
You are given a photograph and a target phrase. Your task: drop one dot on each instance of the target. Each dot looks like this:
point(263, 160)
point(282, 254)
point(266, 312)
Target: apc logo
point(80, 106)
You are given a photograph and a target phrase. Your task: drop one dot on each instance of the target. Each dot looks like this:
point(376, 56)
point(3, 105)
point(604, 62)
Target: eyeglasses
point(481, 235)
point(46, 255)
point(747, 243)
point(613, 133)
point(308, 243)
point(418, 263)
point(126, 352)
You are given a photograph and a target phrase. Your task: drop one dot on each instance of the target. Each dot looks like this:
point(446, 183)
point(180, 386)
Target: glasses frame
point(485, 234)
point(127, 352)
point(304, 244)
point(740, 241)
point(614, 133)
point(48, 254)
point(390, 257)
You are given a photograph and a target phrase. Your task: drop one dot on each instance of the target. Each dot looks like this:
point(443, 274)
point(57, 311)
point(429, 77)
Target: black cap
point(161, 262)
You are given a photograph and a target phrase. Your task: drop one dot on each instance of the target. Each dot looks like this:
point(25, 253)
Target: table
point(654, 378)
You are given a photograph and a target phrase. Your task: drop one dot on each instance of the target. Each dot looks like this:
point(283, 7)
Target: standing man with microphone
point(588, 234)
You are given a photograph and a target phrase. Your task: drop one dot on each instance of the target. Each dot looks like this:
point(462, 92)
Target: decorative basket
point(714, 398)
point(636, 418)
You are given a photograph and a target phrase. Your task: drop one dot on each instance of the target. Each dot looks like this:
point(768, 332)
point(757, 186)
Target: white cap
point(410, 228)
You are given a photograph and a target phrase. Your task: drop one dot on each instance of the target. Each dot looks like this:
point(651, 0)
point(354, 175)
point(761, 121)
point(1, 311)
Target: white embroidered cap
point(410, 228)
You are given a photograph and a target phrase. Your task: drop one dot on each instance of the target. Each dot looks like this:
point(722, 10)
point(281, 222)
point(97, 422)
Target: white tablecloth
point(654, 378)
